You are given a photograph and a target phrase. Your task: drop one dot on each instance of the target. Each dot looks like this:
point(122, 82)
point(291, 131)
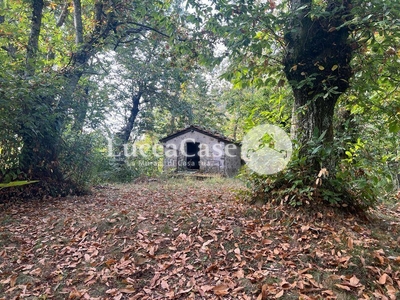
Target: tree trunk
point(317, 65)
point(42, 140)
point(125, 133)
point(38, 153)
point(33, 42)
point(81, 110)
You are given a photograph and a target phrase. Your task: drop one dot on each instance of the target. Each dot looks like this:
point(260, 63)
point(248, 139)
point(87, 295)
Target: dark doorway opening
point(193, 157)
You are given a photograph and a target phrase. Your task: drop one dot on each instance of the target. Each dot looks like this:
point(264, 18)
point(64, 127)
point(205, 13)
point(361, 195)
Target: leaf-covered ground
point(192, 240)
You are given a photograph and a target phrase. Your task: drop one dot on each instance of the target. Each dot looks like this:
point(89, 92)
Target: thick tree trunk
point(317, 65)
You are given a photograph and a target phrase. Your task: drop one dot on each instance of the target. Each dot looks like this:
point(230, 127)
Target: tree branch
point(63, 16)
point(78, 22)
point(145, 27)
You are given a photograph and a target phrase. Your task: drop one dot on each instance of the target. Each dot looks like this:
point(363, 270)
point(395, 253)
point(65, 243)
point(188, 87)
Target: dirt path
point(191, 240)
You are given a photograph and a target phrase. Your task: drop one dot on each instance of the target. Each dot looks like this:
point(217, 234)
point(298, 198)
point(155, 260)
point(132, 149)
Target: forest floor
point(190, 239)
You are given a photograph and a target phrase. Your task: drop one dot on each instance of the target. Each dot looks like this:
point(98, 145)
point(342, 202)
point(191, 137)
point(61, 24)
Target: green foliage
point(47, 100)
point(80, 157)
point(16, 183)
point(258, 40)
point(251, 107)
point(358, 183)
point(142, 159)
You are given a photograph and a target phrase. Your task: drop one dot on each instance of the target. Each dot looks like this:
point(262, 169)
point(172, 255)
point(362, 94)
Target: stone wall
point(211, 152)
point(232, 161)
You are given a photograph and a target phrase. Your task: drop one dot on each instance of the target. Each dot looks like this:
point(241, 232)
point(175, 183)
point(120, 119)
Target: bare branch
point(64, 14)
point(142, 26)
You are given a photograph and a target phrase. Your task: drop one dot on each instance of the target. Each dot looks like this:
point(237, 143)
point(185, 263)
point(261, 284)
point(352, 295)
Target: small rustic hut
point(198, 149)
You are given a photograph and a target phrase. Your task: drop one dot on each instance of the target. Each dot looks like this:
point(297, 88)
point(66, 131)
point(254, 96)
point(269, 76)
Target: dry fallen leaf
point(280, 294)
point(127, 290)
point(350, 243)
point(382, 279)
point(189, 242)
point(354, 281)
point(343, 287)
point(221, 290)
point(164, 285)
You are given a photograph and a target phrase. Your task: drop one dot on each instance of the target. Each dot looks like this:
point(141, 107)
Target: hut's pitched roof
point(202, 130)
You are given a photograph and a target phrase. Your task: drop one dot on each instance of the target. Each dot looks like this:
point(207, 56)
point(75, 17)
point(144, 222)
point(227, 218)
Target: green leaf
point(16, 183)
point(349, 154)
point(394, 127)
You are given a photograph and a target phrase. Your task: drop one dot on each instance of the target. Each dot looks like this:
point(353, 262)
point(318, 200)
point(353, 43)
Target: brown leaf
point(280, 294)
point(305, 228)
point(27, 267)
point(141, 218)
point(264, 292)
point(164, 285)
point(350, 243)
point(343, 287)
point(154, 279)
point(327, 293)
point(110, 262)
point(206, 288)
point(117, 297)
point(266, 242)
point(75, 294)
point(205, 244)
point(391, 292)
point(285, 285)
point(186, 291)
point(239, 274)
point(127, 290)
point(221, 290)
point(112, 291)
point(265, 227)
point(237, 254)
point(13, 280)
point(383, 278)
point(89, 278)
point(379, 257)
point(304, 270)
point(354, 281)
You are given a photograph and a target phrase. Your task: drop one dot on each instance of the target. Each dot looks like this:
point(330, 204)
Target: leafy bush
point(79, 158)
point(144, 163)
point(357, 182)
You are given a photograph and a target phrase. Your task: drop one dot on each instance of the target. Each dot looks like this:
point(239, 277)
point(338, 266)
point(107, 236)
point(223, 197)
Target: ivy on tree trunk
point(317, 65)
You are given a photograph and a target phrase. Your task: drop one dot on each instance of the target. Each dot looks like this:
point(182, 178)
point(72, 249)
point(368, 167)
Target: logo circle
point(266, 149)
